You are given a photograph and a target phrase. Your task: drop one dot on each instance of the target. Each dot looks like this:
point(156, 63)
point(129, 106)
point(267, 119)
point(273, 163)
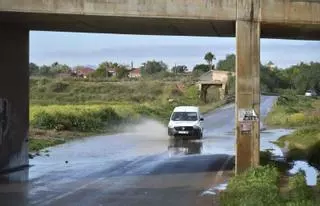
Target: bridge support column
point(204, 92)
point(14, 96)
point(247, 94)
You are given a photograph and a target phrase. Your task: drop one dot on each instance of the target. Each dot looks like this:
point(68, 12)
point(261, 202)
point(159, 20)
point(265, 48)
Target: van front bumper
point(185, 131)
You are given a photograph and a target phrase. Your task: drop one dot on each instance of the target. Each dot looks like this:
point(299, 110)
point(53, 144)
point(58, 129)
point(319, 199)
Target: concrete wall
point(221, 76)
point(14, 98)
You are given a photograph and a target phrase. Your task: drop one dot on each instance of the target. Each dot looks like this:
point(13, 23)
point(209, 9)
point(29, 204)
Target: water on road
point(140, 166)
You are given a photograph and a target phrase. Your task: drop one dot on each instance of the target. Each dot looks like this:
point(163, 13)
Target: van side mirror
point(201, 119)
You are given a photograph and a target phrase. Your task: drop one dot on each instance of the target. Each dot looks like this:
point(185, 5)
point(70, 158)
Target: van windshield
point(184, 116)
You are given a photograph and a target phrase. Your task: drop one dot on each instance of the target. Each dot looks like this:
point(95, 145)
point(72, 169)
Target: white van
point(186, 121)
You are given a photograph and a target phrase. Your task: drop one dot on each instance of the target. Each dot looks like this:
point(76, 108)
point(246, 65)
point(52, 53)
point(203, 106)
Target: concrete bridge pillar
point(223, 91)
point(14, 96)
point(247, 87)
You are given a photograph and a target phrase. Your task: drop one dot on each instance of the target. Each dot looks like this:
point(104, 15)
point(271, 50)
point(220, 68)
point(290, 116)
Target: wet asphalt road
point(140, 166)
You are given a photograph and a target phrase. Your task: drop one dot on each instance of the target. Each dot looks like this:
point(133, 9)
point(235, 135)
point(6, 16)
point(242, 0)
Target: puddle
point(184, 147)
point(280, 153)
point(311, 172)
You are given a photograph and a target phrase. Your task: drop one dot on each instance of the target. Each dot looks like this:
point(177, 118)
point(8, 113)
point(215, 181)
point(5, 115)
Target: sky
point(91, 49)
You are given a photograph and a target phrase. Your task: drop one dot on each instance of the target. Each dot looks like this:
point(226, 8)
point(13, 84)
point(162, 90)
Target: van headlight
point(196, 126)
point(170, 126)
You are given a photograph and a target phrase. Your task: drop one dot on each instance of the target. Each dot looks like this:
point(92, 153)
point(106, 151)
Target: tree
point(45, 70)
point(228, 64)
point(290, 74)
point(101, 71)
point(307, 76)
point(104, 69)
point(33, 69)
point(209, 57)
point(57, 68)
point(121, 71)
point(200, 69)
point(179, 69)
point(152, 67)
point(270, 63)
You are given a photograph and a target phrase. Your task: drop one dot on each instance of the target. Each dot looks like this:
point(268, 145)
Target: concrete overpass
point(248, 20)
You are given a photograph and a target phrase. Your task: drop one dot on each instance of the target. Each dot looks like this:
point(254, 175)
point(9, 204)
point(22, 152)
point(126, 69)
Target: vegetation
point(105, 68)
point(38, 144)
point(152, 67)
point(104, 99)
point(262, 186)
point(63, 109)
point(46, 91)
point(302, 114)
point(209, 57)
point(179, 69)
point(295, 79)
point(73, 118)
point(200, 69)
point(294, 111)
point(227, 64)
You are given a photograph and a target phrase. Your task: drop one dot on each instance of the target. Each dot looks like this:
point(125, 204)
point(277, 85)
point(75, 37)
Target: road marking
point(71, 192)
point(218, 175)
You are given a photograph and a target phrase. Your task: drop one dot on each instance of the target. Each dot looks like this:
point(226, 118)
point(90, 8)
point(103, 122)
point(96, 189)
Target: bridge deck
point(290, 19)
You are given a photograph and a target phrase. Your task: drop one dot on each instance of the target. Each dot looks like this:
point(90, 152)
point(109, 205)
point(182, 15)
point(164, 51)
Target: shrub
point(58, 86)
point(298, 189)
point(80, 118)
point(38, 144)
point(297, 119)
point(257, 186)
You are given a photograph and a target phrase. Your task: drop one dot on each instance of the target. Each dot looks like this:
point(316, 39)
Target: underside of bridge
point(153, 26)
point(247, 20)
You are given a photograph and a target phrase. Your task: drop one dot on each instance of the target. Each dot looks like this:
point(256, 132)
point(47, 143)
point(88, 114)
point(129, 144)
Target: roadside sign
point(247, 115)
point(245, 127)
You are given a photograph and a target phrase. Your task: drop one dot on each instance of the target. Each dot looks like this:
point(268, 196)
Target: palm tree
point(209, 57)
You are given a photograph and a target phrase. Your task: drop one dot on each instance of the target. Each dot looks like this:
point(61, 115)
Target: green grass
point(302, 114)
point(302, 138)
point(262, 186)
point(54, 91)
point(255, 187)
point(304, 144)
point(39, 144)
point(294, 111)
point(74, 118)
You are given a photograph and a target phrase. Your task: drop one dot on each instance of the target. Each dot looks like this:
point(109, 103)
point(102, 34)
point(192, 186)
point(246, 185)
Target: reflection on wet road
point(141, 166)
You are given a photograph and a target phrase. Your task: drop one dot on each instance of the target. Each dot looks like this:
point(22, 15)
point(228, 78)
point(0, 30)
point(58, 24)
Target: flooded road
point(140, 166)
